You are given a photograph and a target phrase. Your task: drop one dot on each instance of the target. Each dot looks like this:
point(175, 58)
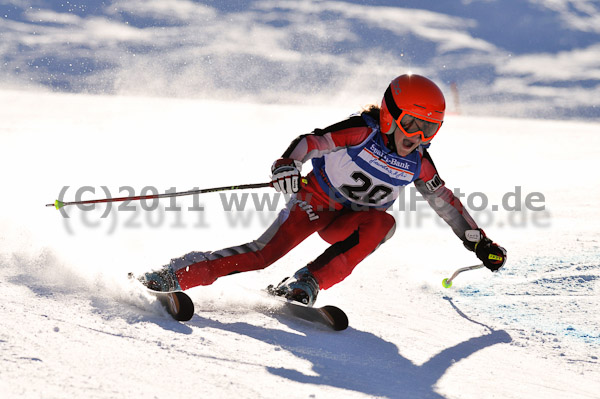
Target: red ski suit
point(355, 178)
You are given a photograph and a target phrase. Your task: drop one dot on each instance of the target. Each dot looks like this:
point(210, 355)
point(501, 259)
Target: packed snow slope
point(511, 57)
point(74, 326)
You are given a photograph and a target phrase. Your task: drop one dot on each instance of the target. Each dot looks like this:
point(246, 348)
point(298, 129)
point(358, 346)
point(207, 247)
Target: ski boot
point(302, 287)
point(164, 280)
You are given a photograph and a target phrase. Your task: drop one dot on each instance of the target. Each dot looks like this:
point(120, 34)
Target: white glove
point(286, 175)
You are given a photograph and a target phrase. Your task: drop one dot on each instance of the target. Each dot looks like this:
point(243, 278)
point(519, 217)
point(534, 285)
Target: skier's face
point(405, 145)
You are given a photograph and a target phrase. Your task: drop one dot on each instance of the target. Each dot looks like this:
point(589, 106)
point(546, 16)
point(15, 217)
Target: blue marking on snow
point(543, 297)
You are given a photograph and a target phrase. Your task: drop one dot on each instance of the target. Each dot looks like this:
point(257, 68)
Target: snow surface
point(73, 326)
point(161, 72)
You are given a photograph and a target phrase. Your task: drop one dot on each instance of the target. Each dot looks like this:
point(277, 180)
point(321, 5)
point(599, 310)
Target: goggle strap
point(391, 104)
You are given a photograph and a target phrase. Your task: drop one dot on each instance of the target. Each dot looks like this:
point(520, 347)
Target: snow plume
point(48, 277)
point(43, 273)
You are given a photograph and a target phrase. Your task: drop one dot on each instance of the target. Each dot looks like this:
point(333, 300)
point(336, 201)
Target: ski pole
point(59, 204)
point(447, 282)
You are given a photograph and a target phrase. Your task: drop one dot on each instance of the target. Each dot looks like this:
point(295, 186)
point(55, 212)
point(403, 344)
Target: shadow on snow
point(358, 360)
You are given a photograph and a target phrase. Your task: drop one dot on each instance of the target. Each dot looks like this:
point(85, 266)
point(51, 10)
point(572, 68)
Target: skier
point(360, 165)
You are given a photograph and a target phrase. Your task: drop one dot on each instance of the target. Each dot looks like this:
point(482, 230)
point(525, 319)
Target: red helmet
point(409, 97)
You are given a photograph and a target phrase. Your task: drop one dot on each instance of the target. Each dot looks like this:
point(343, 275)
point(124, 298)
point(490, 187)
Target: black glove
point(286, 175)
point(491, 254)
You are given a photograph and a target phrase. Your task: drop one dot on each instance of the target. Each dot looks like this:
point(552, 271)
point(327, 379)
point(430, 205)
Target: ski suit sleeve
point(442, 200)
point(349, 132)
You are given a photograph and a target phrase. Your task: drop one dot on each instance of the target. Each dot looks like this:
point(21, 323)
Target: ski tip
point(58, 204)
point(185, 308)
point(340, 319)
point(446, 283)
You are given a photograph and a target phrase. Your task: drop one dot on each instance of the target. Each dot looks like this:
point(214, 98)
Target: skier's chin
point(406, 147)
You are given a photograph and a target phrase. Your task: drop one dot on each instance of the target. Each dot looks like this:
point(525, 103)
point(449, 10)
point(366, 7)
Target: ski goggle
point(412, 126)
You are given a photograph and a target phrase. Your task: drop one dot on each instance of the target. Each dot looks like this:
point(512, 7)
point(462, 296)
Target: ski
point(329, 316)
point(181, 307)
point(177, 303)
